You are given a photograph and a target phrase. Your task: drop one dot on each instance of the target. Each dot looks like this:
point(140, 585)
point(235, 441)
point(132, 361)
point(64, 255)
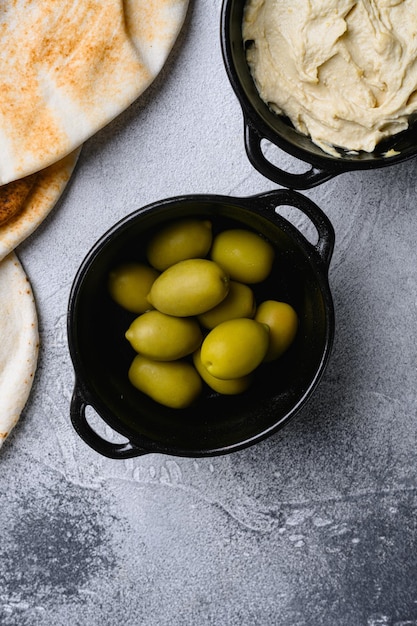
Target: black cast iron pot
point(215, 424)
point(261, 123)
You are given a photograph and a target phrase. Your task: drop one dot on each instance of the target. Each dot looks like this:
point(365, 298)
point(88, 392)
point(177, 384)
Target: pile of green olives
point(196, 315)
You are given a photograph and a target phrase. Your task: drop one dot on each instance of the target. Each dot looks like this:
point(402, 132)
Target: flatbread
point(13, 196)
point(26, 202)
point(68, 68)
point(19, 342)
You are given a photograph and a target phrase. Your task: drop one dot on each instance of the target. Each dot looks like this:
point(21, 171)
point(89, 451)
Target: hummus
point(343, 71)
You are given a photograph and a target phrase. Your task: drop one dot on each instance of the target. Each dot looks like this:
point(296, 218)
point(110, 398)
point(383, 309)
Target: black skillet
point(215, 424)
point(261, 123)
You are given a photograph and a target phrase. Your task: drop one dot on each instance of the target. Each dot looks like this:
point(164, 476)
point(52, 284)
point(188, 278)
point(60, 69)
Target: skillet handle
point(306, 180)
point(106, 448)
point(286, 197)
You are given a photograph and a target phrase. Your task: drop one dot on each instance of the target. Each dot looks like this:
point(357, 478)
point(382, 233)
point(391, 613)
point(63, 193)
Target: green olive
point(175, 384)
point(243, 254)
point(163, 337)
point(239, 302)
point(283, 324)
point(130, 283)
point(235, 348)
point(187, 238)
point(229, 387)
point(189, 288)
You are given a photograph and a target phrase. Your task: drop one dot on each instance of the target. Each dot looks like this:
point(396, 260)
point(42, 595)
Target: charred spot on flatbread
point(13, 197)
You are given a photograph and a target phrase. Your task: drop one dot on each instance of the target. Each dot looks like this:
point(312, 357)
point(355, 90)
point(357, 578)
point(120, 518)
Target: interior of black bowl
point(215, 423)
point(278, 129)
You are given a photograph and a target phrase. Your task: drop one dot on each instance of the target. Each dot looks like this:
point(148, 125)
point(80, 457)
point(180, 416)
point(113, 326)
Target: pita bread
point(25, 203)
point(13, 196)
point(19, 342)
point(68, 68)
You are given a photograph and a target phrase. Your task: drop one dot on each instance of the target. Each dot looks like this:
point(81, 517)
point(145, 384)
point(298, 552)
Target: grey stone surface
point(316, 526)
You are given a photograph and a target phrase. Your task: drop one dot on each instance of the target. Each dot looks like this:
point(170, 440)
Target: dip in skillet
point(343, 71)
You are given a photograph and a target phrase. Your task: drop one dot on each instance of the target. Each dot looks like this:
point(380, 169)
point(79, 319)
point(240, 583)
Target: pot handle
point(106, 448)
point(307, 180)
point(326, 235)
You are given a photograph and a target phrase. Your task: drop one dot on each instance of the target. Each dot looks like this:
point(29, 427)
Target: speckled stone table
point(316, 526)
